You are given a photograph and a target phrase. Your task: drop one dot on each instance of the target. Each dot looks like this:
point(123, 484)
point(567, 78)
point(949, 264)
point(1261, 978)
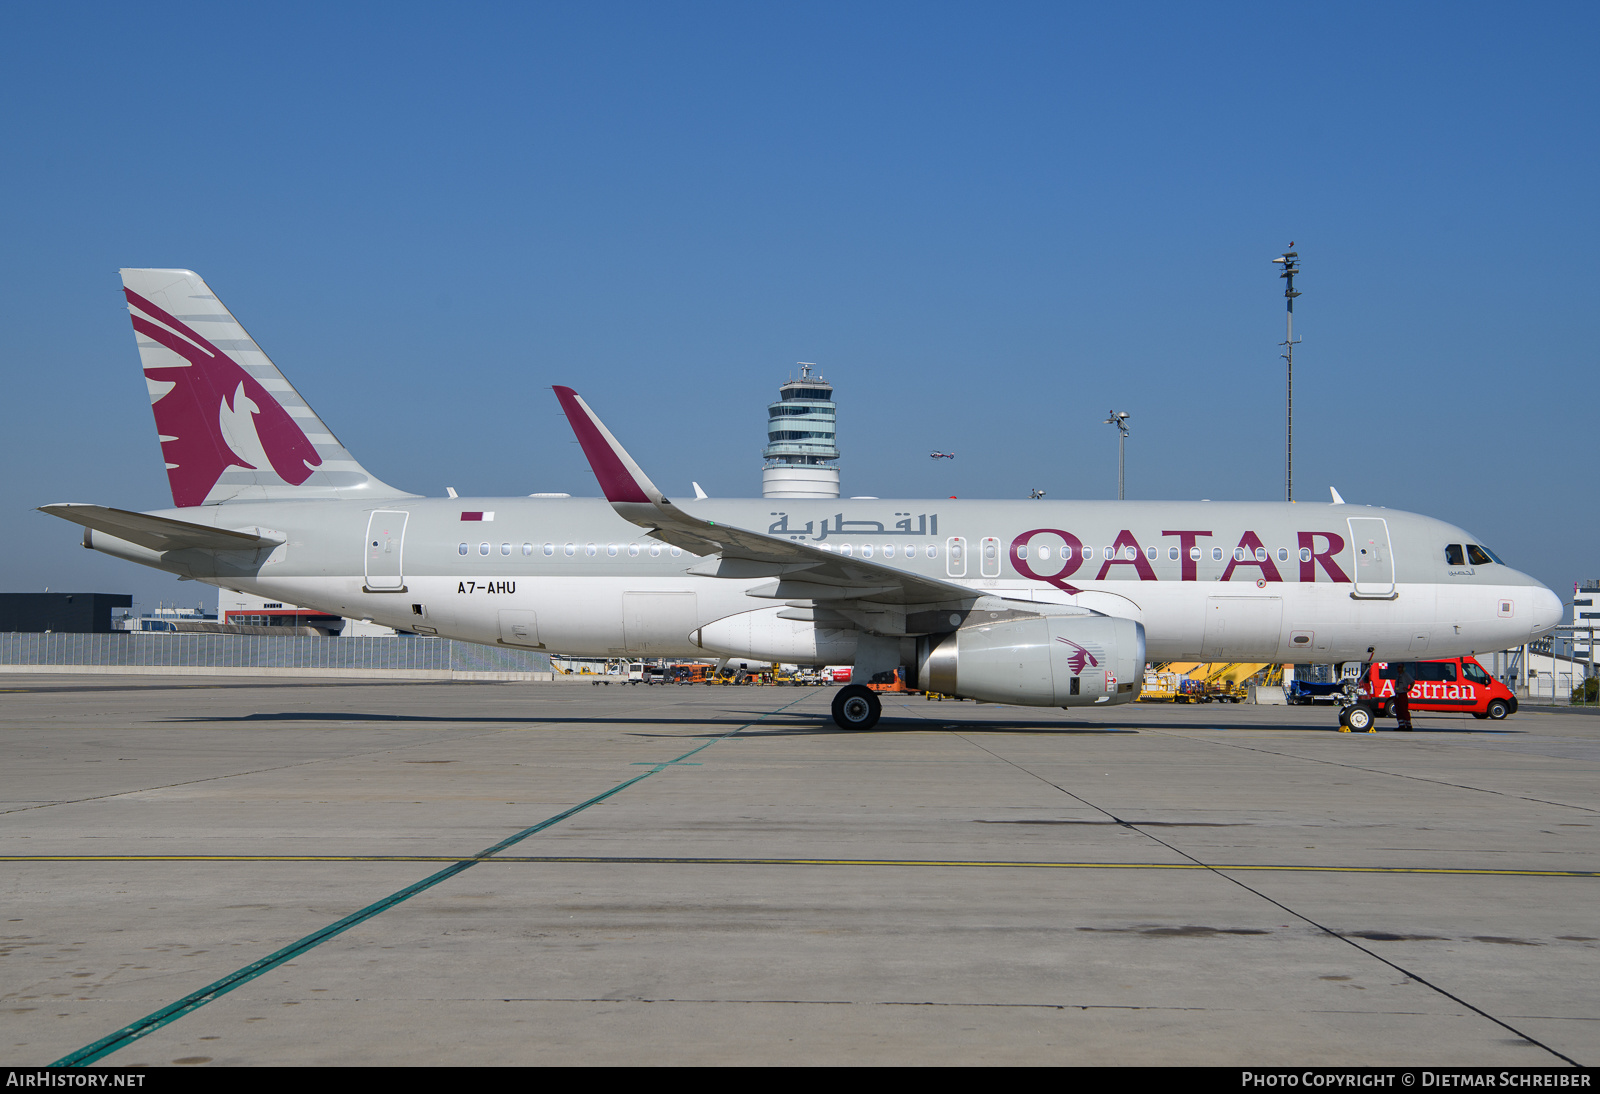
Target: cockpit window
point(1479, 555)
point(1453, 555)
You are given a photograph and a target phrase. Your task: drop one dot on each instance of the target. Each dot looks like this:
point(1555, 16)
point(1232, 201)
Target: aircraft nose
point(1547, 612)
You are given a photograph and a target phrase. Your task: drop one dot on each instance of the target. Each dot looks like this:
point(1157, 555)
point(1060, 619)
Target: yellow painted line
point(698, 861)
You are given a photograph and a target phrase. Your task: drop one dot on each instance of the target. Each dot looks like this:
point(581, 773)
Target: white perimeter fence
point(254, 654)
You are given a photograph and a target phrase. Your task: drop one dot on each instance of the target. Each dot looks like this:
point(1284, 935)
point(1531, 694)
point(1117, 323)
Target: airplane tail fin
point(232, 427)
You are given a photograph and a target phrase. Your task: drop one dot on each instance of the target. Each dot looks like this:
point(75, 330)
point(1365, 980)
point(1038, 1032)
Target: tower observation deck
point(802, 446)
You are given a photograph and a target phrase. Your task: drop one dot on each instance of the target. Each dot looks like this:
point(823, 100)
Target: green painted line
point(153, 1021)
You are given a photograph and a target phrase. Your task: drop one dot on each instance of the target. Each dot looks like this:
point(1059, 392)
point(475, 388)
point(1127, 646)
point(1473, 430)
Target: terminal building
point(168, 618)
point(802, 453)
point(250, 614)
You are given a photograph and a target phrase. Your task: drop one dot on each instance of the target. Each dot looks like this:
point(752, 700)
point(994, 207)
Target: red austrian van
point(1457, 684)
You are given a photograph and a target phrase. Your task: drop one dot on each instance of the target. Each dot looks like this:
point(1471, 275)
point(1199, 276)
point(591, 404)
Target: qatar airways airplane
point(1027, 602)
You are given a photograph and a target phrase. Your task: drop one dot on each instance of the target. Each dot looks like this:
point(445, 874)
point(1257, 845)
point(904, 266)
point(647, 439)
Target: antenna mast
point(1290, 263)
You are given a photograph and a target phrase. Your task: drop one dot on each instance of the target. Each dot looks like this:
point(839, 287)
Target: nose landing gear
point(1356, 719)
point(1355, 716)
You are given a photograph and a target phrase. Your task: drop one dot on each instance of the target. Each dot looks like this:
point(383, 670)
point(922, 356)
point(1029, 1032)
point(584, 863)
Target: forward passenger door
point(1374, 559)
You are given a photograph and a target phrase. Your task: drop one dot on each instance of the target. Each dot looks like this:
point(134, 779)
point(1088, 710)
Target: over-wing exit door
point(386, 537)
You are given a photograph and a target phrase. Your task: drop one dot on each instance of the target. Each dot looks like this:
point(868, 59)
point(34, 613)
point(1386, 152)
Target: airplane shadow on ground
point(782, 723)
point(771, 723)
point(734, 719)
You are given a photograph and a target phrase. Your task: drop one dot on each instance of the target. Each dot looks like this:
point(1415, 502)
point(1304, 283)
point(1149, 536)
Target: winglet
point(1337, 500)
point(636, 499)
point(620, 477)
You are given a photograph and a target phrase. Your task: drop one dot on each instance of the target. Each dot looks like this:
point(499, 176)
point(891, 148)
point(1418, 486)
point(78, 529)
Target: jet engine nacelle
point(1053, 661)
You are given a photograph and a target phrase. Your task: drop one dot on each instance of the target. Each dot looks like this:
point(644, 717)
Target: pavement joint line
point(1381, 771)
point(170, 1013)
point(693, 860)
point(1220, 872)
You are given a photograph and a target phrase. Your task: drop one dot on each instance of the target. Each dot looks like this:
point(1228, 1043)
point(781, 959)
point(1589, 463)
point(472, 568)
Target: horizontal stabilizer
point(159, 533)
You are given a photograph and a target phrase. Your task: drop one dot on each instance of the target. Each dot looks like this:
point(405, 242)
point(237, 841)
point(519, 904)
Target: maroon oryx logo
point(1080, 660)
point(211, 408)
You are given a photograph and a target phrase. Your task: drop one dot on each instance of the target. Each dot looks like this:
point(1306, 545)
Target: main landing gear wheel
point(856, 707)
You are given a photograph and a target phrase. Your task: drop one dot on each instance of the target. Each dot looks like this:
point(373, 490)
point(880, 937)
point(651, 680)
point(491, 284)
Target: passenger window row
point(868, 550)
point(612, 550)
point(1454, 555)
point(1129, 553)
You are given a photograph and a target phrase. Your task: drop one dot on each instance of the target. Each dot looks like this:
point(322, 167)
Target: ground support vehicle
point(693, 673)
point(797, 676)
point(1451, 684)
point(1211, 682)
point(890, 681)
point(1301, 693)
point(1161, 686)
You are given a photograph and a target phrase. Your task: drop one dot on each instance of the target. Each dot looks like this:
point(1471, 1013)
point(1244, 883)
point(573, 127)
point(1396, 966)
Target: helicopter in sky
point(937, 455)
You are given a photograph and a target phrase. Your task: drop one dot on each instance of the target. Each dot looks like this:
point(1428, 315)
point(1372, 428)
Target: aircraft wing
point(801, 571)
point(158, 533)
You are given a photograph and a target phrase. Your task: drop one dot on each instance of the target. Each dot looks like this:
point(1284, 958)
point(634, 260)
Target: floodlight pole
point(1289, 262)
point(1119, 418)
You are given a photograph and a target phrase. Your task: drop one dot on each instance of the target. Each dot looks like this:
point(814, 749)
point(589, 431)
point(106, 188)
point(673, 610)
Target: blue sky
point(989, 225)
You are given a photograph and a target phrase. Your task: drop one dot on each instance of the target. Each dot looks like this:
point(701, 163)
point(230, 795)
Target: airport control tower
point(802, 448)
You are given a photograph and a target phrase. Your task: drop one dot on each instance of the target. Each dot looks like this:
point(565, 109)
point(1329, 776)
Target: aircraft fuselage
point(1236, 581)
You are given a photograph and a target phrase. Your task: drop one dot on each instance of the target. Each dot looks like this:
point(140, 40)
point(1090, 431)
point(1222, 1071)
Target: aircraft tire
point(1359, 719)
point(856, 707)
point(1497, 709)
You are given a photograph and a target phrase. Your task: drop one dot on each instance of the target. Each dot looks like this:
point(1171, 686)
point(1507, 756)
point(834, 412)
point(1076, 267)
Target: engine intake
point(1054, 661)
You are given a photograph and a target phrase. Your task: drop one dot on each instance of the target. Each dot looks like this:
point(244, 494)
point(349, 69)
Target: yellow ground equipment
point(1207, 682)
point(1161, 685)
